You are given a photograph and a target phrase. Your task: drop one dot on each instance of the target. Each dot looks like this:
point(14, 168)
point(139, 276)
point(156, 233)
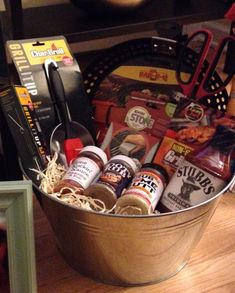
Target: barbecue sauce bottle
point(202, 175)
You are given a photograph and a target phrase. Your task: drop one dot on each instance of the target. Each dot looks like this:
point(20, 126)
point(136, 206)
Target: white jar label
point(148, 186)
point(83, 171)
point(190, 186)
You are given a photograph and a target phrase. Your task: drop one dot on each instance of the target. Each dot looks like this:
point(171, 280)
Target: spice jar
point(202, 175)
point(144, 191)
point(115, 177)
point(83, 170)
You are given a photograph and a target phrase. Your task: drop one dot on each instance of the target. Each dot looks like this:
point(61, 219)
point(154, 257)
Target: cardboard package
point(28, 57)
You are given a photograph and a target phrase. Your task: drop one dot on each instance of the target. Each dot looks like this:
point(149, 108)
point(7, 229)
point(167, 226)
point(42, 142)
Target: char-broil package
point(29, 57)
point(23, 124)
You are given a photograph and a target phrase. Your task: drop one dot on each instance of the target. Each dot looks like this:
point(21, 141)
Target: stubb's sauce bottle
point(202, 175)
point(83, 170)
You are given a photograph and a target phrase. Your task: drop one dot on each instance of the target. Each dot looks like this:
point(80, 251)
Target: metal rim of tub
point(228, 187)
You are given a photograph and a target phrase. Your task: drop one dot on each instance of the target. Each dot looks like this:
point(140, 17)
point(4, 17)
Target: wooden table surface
point(210, 269)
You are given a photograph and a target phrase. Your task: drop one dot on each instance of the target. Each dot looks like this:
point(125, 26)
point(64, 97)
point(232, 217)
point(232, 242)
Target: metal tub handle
point(232, 186)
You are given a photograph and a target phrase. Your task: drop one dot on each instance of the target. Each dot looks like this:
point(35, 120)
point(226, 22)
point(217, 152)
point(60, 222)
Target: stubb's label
point(190, 186)
point(83, 171)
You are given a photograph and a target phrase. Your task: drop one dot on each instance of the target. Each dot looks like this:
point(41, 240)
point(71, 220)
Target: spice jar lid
point(98, 151)
point(126, 159)
point(158, 168)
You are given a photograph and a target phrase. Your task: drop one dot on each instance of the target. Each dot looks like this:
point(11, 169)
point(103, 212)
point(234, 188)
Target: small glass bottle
point(114, 178)
point(202, 175)
point(144, 192)
point(83, 170)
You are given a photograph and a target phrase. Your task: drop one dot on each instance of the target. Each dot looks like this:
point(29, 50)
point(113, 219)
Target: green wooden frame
point(16, 202)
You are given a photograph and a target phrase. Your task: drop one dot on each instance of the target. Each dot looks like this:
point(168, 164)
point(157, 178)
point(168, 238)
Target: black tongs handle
point(58, 94)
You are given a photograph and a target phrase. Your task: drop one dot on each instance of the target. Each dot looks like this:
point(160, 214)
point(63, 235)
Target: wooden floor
point(210, 269)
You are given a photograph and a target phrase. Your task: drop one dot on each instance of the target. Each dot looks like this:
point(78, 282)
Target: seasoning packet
point(191, 127)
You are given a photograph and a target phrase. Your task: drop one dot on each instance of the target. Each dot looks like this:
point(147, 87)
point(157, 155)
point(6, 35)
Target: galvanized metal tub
point(127, 250)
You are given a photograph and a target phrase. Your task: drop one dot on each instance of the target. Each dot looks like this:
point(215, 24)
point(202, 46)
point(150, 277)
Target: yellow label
point(148, 74)
point(23, 96)
point(180, 149)
point(55, 49)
